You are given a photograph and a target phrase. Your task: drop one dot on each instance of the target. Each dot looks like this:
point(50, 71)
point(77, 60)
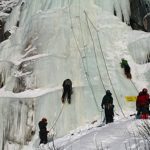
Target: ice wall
point(56, 40)
point(120, 8)
point(17, 122)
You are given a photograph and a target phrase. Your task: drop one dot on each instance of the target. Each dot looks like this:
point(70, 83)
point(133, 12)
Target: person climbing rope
point(43, 131)
point(67, 90)
point(142, 104)
point(107, 104)
point(127, 71)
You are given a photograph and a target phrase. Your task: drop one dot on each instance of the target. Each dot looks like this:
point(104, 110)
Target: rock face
point(146, 22)
point(8, 10)
point(1, 30)
point(6, 35)
point(6, 7)
point(139, 9)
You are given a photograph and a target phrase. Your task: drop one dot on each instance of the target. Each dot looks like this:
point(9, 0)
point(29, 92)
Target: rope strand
point(105, 65)
point(100, 76)
point(89, 82)
point(57, 118)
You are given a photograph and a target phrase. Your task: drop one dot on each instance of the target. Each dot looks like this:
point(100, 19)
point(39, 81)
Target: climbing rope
point(105, 63)
point(134, 86)
point(83, 43)
point(55, 121)
point(100, 76)
point(101, 47)
point(87, 76)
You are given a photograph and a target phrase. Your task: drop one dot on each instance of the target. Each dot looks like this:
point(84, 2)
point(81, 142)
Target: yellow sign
point(130, 98)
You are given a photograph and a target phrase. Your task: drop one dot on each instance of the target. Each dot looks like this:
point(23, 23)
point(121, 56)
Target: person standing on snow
point(43, 131)
point(67, 90)
point(107, 104)
point(142, 103)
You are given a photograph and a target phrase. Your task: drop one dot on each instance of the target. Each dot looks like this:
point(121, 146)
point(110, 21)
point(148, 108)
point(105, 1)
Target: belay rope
point(104, 62)
point(134, 86)
point(58, 116)
point(86, 73)
point(89, 82)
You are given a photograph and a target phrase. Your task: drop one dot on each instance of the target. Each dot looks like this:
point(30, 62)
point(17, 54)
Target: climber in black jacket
point(43, 131)
point(107, 104)
point(67, 91)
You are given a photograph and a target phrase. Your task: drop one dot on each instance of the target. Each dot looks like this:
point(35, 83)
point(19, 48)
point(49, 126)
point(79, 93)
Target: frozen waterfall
point(59, 39)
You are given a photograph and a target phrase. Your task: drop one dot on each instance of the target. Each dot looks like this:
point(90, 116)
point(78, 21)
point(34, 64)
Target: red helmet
point(44, 120)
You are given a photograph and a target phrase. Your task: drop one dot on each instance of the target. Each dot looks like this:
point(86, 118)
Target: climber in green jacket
point(127, 71)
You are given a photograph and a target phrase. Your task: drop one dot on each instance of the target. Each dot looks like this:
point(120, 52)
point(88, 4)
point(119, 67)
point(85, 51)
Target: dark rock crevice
point(148, 58)
point(2, 23)
point(115, 14)
point(4, 35)
point(139, 9)
point(25, 69)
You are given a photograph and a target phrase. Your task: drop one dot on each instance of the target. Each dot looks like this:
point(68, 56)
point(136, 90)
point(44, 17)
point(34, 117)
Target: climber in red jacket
point(142, 102)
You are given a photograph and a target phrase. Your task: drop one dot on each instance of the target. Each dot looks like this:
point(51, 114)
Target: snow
point(72, 39)
point(120, 135)
point(30, 93)
point(5, 5)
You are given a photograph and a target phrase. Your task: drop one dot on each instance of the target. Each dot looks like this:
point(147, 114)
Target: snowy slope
point(120, 135)
point(56, 40)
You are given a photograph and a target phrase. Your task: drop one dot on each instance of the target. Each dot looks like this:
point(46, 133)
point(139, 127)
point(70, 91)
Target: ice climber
point(127, 71)
point(67, 90)
point(107, 104)
point(43, 131)
point(142, 104)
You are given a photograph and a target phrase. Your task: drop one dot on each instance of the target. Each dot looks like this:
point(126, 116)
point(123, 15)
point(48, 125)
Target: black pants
point(67, 93)
point(43, 137)
point(142, 110)
point(127, 70)
point(109, 114)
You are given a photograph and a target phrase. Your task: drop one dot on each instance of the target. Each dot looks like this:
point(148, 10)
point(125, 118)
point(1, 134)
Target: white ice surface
point(56, 41)
point(120, 135)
